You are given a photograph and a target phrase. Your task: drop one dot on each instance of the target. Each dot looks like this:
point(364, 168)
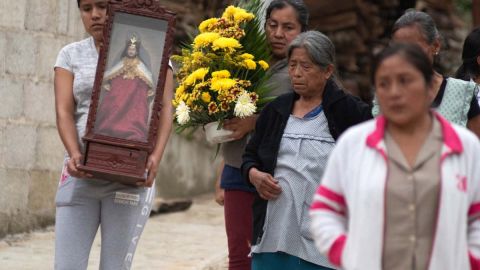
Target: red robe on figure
point(124, 107)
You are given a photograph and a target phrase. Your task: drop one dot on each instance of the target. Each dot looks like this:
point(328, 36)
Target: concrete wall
point(31, 34)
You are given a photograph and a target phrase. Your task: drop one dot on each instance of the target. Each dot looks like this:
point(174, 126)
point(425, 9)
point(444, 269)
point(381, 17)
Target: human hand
point(240, 126)
point(219, 191)
point(151, 170)
point(72, 167)
point(220, 196)
point(267, 187)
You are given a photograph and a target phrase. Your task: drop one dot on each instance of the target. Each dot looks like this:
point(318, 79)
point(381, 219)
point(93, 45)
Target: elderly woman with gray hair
point(287, 154)
point(454, 99)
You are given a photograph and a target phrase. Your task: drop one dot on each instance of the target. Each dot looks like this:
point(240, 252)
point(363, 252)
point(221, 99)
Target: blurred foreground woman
point(401, 191)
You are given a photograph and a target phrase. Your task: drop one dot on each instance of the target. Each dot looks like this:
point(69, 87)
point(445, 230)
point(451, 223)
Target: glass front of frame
point(131, 76)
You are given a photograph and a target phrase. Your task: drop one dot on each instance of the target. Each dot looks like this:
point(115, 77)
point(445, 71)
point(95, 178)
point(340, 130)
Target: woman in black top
point(286, 155)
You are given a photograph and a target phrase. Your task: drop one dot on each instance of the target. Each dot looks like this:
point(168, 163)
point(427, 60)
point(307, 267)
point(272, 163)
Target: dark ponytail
point(462, 73)
point(471, 51)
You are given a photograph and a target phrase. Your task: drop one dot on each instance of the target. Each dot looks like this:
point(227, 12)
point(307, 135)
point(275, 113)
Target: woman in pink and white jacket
point(401, 191)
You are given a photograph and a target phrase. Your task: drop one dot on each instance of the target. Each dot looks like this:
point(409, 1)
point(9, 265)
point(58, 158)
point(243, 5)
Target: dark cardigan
point(341, 110)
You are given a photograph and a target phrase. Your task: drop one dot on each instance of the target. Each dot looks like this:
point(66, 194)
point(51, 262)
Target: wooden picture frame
point(126, 101)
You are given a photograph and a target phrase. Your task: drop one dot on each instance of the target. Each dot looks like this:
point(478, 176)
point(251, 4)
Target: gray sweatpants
point(85, 204)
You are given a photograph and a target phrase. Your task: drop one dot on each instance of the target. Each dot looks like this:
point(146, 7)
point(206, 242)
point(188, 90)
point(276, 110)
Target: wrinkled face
point(308, 79)
point(412, 34)
point(131, 51)
point(93, 14)
point(281, 28)
point(402, 92)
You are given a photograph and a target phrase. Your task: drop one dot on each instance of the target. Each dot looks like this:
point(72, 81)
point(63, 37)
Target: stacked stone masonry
point(31, 34)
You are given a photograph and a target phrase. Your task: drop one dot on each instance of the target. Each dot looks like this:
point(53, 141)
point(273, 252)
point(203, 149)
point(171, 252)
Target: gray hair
point(319, 47)
point(422, 20)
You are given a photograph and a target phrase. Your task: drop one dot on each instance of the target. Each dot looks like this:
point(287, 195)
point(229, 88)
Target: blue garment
point(280, 260)
point(232, 180)
point(316, 111)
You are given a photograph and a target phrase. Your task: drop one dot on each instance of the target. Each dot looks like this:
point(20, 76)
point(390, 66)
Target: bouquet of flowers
point(223, 73)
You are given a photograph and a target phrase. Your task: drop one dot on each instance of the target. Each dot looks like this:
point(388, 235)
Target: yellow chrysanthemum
point(250, 64)
point(221, 74)
point(263, 64)
point(229, 12)
point(222, 84)
point(197, 57)
point(205, 39)
point(206, 97)
point(247, 56)
point(197, 75)
point(205, 25)
point(178, 97)
point(180, 90)
point(242, 16)
point(229, 44)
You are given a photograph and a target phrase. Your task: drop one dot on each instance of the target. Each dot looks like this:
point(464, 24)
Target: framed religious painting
point(127, 96)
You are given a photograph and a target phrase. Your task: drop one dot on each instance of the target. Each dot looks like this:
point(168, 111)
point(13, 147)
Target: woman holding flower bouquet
point(285, 20)
point(222, 77)
point(286, 156)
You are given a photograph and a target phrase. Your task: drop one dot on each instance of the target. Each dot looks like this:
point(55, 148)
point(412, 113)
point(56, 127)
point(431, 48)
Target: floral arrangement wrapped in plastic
point(223, 73)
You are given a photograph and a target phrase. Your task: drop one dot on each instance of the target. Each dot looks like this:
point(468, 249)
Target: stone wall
point(31, 34)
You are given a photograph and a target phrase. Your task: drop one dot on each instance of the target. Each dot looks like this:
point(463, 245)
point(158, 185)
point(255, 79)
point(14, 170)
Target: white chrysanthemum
point(244, 106)
point(183, 113)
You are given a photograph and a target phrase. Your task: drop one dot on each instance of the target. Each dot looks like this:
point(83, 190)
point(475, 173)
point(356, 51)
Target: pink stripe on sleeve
point(474, 209)
point(336, 251)
point(474, 262)
point(331, 195)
